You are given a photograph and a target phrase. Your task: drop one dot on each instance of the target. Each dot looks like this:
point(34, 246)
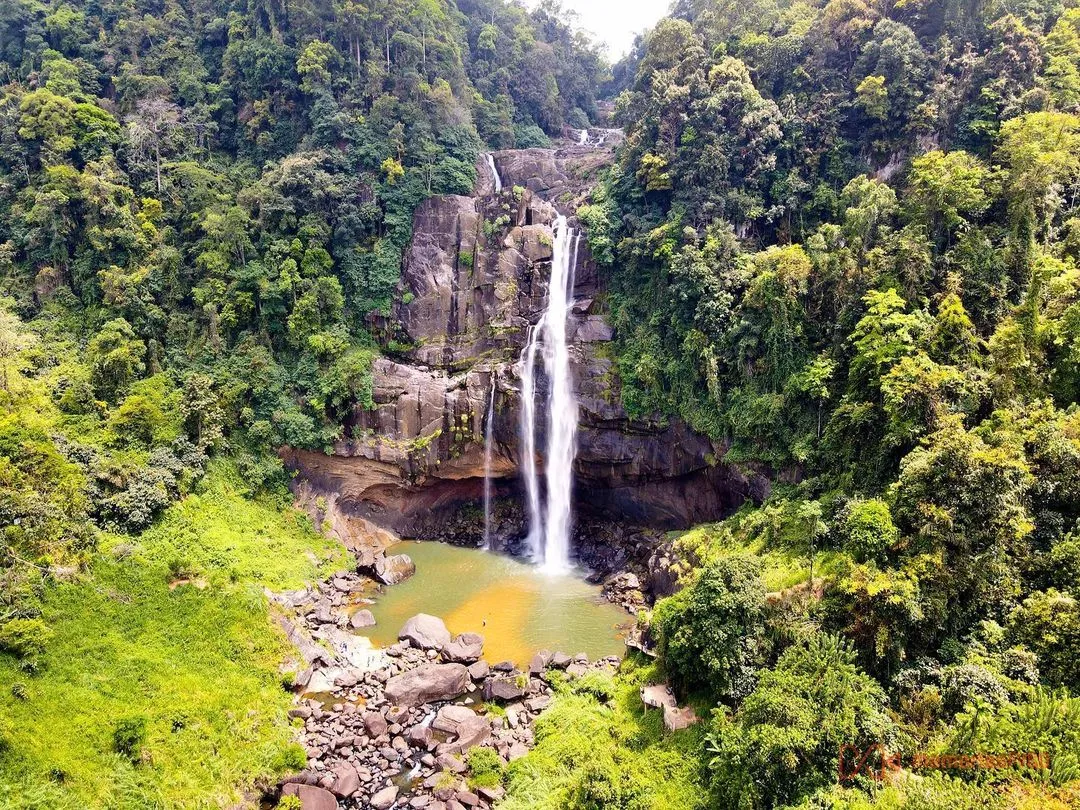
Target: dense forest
point(841, 239)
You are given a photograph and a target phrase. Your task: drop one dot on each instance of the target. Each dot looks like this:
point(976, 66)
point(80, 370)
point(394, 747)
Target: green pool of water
point(516, 608)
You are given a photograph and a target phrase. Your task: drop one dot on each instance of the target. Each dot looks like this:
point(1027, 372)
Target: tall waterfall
point(549, 531)
point(494, 172)
point(489, 436)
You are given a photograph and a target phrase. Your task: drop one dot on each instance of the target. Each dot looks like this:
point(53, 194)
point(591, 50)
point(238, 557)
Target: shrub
point(710, 634)
point(290, 803)
point(25, 638)
point(290, 758)
point(966, 684)
point(527, 136)
point(129, 736)
point(487, 767)
point(136, 422)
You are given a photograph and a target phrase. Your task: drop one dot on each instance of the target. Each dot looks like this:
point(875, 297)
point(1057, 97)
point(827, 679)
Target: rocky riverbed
point(392, 727)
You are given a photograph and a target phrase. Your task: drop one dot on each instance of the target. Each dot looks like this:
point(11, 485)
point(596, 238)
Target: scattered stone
point(479, 670)
point(346, 780)
point(502, 689)
point(311, 797)
point(427, 684)
point(467, 798)
point(491, 794)
point(470, 733)
point(385, 798)
point(576, 670)
point(425, 632)
point(375, 724)
point(538, 704)
point(420, 737)
point(504, 666)
point(449, 762)
point(560, 660)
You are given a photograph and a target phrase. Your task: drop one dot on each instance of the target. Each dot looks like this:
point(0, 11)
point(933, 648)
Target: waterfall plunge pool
point(516, 607)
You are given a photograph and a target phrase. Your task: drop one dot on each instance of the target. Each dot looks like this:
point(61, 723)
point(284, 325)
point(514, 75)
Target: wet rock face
point(474, 280)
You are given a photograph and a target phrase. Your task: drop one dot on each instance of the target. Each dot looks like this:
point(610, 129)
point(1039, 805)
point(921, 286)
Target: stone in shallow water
point(362, 618)
point(479, 670)
point(394, 569)
point(465, 649)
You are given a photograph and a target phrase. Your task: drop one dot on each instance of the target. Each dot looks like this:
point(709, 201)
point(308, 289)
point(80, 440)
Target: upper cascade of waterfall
point(494, 172)
point(549, 528)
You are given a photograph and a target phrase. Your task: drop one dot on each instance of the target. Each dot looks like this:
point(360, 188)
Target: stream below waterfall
point(515, 606)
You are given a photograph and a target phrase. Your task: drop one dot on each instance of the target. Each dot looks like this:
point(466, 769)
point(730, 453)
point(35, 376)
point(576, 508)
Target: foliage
point(592, 754)
point(184, 677)
point(710, 633)
point(784, 741)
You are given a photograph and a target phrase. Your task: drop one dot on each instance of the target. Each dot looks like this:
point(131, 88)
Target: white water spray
point(549, 533)
point(489, 436)
point(583, 138)
point(494, 172)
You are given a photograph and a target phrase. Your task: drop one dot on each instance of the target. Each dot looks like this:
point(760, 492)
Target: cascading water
point(583, 138)
point(549, 532)
point(528, 440)
point(489, 436)
point(494, 173)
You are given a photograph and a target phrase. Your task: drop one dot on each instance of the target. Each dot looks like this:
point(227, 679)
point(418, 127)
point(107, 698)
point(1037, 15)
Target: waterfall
point(549, 533)
point(528, 437)
point(583, 138)
point(494, 172)
point(489, 435)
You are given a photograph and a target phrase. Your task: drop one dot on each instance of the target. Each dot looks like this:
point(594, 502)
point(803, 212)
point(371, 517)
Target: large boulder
point(311, 797)
point(427, 684)
point(465, 649)
point(394, 569)
point(425, 632)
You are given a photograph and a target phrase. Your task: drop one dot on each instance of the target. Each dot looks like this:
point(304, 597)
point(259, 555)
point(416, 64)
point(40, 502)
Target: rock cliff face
point(473, 283)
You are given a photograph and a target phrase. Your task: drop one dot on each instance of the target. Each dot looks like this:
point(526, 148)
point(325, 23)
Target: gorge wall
point(473, 282)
